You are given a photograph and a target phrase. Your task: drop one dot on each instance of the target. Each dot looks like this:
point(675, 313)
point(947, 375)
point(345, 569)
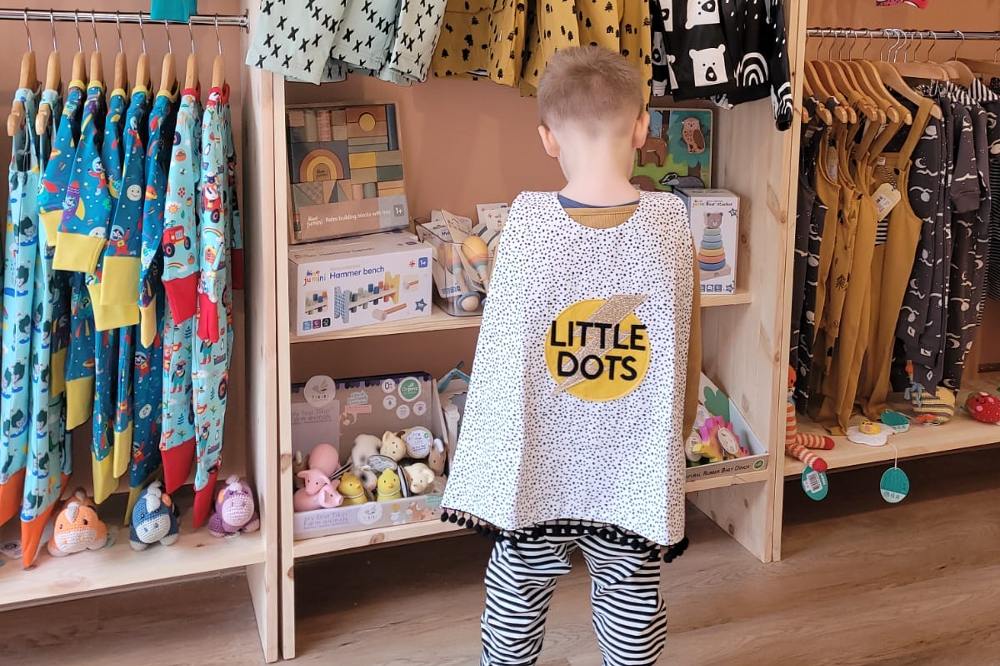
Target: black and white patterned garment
point(732, 51)
point(970, 231)
point(630, 616)
point(992, 107)
point(324, 41)
point(530, 452)
point(809, 218)
point(926, 192)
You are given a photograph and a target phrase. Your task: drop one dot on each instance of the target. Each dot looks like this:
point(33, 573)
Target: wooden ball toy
point(469, 302)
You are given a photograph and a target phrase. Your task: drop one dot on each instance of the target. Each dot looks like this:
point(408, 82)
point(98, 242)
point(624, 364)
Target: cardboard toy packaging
point(714, 218)
point(358, 281)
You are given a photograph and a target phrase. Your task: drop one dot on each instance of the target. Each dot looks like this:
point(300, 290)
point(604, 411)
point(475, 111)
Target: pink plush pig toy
point(234, 509)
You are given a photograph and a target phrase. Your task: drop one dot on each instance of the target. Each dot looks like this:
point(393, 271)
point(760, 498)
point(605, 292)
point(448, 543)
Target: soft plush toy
point(365, 446)
point(935, 408)
point(438, 457)
point(351, 489)
point(318, 492)
point(154, 519)
point(388, 486)
point(393, 446)
point(77, 527)
point(234, 509)
point(325, 458)
point(983, 407)
point(798, 444)
point(419, 477)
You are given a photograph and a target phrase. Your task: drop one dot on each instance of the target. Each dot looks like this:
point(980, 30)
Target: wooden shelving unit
point(962, 432)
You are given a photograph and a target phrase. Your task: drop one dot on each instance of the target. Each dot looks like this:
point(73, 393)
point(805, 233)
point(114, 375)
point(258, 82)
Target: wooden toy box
point(358, 281)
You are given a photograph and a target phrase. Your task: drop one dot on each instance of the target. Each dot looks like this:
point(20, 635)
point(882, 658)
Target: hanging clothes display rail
point(893, 33)
point(221, 20)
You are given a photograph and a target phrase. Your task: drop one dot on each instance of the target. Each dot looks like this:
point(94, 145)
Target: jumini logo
point(598, 349)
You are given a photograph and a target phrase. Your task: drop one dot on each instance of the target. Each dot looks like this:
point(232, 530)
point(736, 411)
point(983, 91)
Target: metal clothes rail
point(84, 16)
point(894, 33)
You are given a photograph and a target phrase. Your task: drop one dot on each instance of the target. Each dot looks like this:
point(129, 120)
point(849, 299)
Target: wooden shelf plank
point(439, 320)
point(432, 529)
point(91, 572)
point(960, 433)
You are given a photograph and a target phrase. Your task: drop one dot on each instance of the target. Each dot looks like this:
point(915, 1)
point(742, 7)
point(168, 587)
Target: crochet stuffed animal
point(983, 407)
point(799, 444)
point(234, 509)
point(154, 519)
point(77, 527)
point(318, 492)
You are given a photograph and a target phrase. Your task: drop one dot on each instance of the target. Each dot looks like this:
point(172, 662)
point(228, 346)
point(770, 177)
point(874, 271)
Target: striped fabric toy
point(931, 408)
point(798, 444)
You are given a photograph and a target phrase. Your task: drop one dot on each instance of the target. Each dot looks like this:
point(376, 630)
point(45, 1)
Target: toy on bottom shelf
point(797, 444)
point(389, 487)
point(393, 446)
point(154, 519)
point(983, 407)
point(935, 408)
point(234, 509)
point(318, 492)
point(77, 527)
point(365, 446)
point(351, 489)
point(419, 478)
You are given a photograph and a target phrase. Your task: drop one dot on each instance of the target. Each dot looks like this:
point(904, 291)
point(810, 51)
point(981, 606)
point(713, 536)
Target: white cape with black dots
point(530, 450)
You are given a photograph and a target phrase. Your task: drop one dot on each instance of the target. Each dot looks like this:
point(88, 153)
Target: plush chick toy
point(389, 488)
point(352, 490)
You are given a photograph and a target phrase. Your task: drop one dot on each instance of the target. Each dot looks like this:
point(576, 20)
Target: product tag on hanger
point(886, 197)
point(894, 486)
point(832, 165)
point(173, 10)
point(815, 484)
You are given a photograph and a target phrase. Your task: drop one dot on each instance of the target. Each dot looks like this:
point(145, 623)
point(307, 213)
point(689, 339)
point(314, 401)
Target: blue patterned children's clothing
point(180, 280)
point(87, 205)
point(20, 248)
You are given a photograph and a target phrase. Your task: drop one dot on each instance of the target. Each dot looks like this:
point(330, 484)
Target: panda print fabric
point(731, 51)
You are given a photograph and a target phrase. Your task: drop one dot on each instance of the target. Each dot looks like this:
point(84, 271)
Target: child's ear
point(549, 141)
point(641, 129)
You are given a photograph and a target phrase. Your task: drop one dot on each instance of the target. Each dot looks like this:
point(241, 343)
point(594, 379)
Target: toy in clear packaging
point(419, 478)
point(474, 251)
point(351, 489)
point(389, 487)
point(463, 256)
point(77, 527)
point(318, 492)
point(154, 519)
point(234, 509)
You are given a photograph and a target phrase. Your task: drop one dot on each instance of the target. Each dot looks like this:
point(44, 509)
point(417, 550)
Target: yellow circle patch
point(597, 350)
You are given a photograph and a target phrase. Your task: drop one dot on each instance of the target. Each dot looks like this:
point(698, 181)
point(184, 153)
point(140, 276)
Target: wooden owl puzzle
point(677, 152)
point(346, 171)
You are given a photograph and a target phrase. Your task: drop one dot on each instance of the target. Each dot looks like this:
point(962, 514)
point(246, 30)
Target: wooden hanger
point(53, 81)
point(28, 78)
point(96, 66)
point(219, 63)
point(867, 77)
point(121, 65)
point(191, 71)
point(959, 71)
point(79, 69)
point(142, 64)
point(168, 69)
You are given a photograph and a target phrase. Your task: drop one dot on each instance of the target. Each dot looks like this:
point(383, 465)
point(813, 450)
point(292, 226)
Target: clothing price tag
point(832, 165)
point(815, 484)
point(886, 197)
point(894, 486)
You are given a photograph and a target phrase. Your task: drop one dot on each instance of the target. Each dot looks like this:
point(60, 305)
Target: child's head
point(591, 105)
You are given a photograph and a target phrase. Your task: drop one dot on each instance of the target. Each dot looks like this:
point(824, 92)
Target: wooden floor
point(861, 583)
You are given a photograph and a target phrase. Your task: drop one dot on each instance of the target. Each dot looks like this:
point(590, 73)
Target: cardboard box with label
point(715, 226)
point(334, 412)
point(359, 281)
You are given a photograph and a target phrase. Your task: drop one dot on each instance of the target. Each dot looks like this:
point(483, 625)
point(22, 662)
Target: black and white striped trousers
point(630, 617)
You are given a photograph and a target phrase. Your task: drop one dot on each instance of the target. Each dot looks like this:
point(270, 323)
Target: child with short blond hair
point(578, 406)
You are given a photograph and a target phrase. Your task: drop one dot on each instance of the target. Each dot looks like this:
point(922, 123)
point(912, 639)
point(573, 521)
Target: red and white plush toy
point(799, 444)
point(983, 407)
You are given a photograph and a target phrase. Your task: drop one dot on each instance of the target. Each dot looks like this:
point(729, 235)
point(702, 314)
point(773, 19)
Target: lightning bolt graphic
point(614, 311)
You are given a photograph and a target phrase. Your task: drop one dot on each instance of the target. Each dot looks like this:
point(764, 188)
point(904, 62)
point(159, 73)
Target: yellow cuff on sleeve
point(51, 220)
point(57, 383)
point(122, 451)
point(79, 401)
point(147, 321)
point(120, 281)
point(108, 317)
point(77, 252)
point(104, 480)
